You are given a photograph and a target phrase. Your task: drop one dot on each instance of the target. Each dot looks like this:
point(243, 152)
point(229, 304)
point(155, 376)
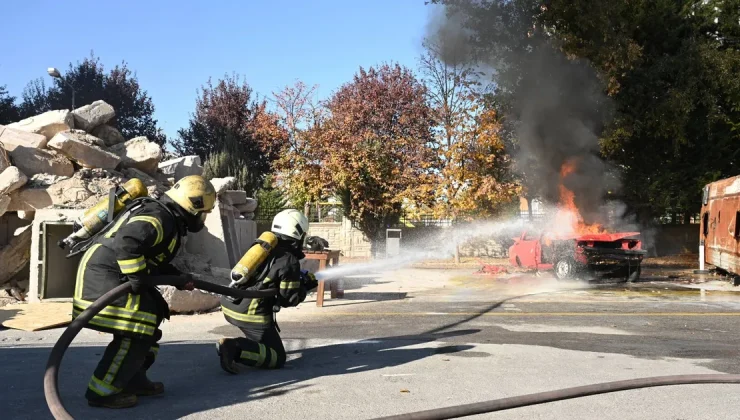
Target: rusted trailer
point(720, 227)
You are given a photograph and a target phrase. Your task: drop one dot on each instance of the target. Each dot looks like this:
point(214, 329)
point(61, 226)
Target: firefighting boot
point(141, 386)
point(227, 353)
point(120, 400)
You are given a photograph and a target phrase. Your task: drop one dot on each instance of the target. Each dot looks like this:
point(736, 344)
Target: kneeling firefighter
point(138, 244)
point(279, 251)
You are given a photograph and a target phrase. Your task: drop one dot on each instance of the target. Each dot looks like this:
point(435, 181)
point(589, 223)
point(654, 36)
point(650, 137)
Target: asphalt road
point(388, 351)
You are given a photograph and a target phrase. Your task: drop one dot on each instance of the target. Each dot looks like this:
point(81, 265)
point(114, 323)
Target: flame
point(568, 219)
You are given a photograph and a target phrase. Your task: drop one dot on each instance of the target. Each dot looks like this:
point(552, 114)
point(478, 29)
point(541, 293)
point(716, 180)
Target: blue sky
point(174, 46)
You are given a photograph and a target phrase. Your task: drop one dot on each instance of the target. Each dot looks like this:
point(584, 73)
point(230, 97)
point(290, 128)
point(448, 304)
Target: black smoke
point(554, 106)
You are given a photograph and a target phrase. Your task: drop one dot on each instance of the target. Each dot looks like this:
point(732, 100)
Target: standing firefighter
point(262, 346)
point(139, 246)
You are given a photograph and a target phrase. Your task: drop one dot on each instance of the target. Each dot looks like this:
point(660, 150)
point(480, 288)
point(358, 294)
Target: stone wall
point(342, 236)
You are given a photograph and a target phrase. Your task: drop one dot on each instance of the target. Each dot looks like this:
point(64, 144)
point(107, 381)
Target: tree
point(270, 200)
point(472, 163)
point(301, 117)
point(232, 127)
point(374, 148)
point(8, 110)
point(119, 87)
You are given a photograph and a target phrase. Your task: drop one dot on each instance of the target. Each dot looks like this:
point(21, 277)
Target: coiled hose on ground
point(51, 376)
point(51, 389)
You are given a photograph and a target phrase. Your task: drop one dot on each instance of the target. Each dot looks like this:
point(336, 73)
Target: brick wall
point(342, 236)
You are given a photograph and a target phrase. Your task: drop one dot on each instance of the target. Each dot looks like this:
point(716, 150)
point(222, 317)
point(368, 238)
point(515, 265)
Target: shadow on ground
point(194, 380)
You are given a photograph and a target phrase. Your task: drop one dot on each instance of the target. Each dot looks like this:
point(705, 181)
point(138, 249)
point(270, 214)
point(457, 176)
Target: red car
point(571, 256)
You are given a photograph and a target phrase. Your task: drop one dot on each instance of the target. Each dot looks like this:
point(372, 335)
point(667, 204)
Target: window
point(705, 223)
point(737, 225)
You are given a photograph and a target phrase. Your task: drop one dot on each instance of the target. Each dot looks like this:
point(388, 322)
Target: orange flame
point(568, 219)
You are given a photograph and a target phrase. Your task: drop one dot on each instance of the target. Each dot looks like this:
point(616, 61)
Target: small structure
point(720, 225)
point(393, 242)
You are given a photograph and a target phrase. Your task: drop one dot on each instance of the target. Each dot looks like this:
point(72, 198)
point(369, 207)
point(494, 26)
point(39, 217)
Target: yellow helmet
point(194, 194)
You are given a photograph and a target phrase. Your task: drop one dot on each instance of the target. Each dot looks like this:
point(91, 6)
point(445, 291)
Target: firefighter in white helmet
point(261, 346)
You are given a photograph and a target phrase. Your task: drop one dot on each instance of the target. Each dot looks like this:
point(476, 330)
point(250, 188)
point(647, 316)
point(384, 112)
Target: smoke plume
point(555, 106)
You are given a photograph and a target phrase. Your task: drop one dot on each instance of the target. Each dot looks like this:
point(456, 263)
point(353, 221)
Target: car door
point(527, 250)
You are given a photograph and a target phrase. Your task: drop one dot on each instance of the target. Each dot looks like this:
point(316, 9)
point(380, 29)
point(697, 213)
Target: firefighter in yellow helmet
point(139, 245)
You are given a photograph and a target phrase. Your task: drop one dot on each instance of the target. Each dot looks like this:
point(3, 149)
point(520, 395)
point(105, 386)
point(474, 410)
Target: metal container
point(719, 234)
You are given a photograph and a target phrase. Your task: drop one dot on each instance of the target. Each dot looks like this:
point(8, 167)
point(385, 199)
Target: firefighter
point(261, 346)
point(138, 246)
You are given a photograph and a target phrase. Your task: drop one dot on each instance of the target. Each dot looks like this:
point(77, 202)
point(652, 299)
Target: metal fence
point(317, 213)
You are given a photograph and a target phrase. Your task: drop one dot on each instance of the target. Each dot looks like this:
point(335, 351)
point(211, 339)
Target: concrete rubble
point(62, 163)
point(181, 167)
point(10, 138)
point(41, 161)
point(85, 149)
point(139, 153)
point(110, 135)
point(91, 116)
point(47, 124)
point(11, 178)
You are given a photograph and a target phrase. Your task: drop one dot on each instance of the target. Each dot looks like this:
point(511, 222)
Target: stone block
point(26, 215)
point(233, 197)
point(11, 179)
point(47, 124)
point(84, 149)
point(4, 203)
point(110, 135)
point(222, 184)
point(13, 137)
point(91, 116)
point(15, 255)
point(181, 167)
point(75, 193)
point(247, 207)
point(139, 153)
point(4, 159)
point(37, 161)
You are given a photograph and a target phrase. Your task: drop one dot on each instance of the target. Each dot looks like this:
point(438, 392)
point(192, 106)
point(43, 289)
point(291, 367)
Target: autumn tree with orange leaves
point(297, 166)
point(373, 148)
point(473, 167)
point(233, 132)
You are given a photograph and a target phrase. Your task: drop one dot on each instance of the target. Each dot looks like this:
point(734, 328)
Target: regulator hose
point(51, 376)
point(490, 406)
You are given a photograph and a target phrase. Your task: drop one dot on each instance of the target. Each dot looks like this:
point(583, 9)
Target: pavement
point(414, 339)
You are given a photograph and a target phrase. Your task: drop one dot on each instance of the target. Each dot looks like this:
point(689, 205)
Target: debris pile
point(70, 160)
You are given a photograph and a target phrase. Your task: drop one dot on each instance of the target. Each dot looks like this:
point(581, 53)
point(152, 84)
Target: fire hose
point(53, 400)
point(51, 376)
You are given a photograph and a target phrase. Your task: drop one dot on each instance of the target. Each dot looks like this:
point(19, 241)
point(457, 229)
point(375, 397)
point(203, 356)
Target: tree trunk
point(457, 253)
point(687, 218)
point(529, 207)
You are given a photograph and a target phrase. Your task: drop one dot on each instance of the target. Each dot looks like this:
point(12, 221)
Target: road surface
point(419, 339)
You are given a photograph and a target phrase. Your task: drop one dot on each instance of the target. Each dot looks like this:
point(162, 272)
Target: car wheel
point(633, 275)
point(565, 269)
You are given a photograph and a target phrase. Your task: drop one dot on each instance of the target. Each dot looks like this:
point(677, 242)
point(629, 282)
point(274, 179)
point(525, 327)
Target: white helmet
point(291, 223)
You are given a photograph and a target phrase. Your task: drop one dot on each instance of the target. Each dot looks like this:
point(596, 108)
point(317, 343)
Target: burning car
point(573, 255)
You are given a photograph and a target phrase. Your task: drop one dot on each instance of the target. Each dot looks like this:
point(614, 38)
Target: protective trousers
point(261, 347)
point(124, 362)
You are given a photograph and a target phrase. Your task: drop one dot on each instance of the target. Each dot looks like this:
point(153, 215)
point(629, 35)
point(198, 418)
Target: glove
point(309, 280)
point(188, 282)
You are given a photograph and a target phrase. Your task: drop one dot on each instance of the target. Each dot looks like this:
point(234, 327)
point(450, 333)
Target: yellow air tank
point(96, 217)
point(253, 258)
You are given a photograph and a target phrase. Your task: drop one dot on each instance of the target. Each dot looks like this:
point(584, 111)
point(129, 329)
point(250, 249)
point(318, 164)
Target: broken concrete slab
point(233, 197)
point(181, 167)
point(248, 207)
point(36, 161)
point(110, 135)
point(189, 301)
point(139, 153)
point(75, 193)
point(222, 184)
point(15, 255)
point(92, 115)
point(82, 136)
point(4, 203)
point(13, 137)
point(78, 146)
point(11, 179)
point(4, 159)
point(47, 124)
